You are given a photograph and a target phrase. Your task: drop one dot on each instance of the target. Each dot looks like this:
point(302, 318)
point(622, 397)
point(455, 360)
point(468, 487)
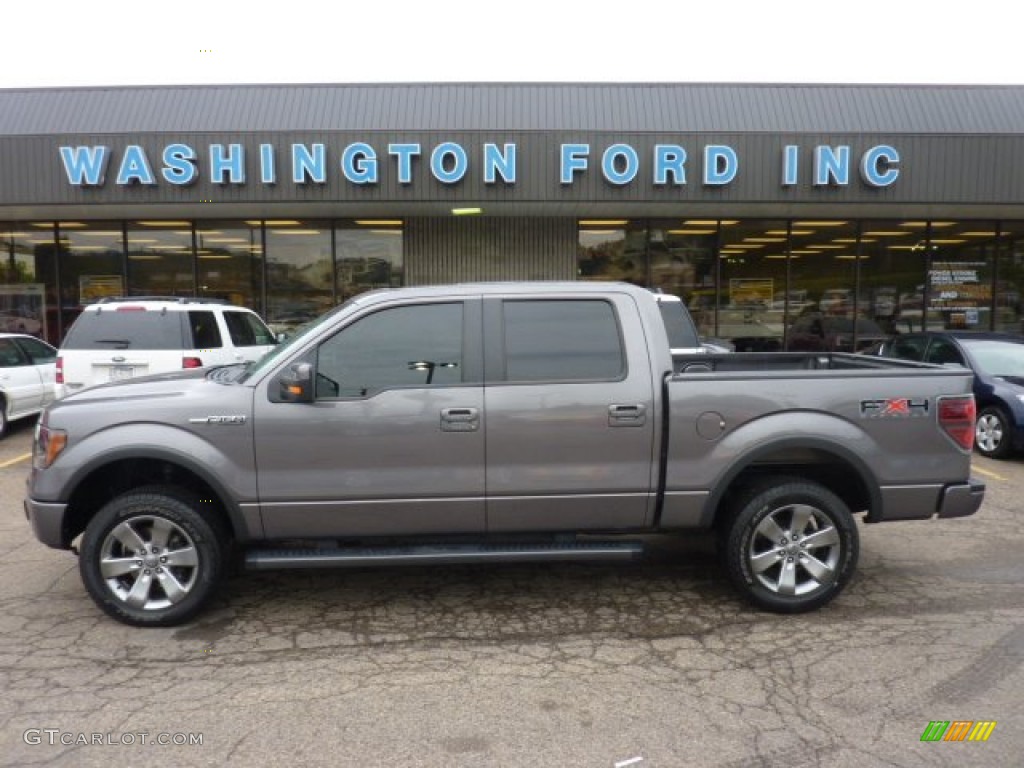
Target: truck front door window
point(412, 346)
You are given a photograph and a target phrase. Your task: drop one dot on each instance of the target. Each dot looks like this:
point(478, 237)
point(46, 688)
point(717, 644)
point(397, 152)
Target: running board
point(361, 557)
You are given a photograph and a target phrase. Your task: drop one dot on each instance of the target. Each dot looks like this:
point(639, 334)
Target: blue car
point(997, 360)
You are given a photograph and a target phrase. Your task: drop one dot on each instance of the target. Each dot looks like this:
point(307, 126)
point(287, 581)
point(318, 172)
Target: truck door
point(394, 442)
point(570, 414)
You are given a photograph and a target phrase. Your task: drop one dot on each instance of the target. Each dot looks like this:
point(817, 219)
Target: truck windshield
point(270, 359)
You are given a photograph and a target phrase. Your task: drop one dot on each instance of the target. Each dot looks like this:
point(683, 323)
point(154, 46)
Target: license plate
point(118, 372)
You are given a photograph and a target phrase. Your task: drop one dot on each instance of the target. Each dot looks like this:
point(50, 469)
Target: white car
point(119, 339)
point(27, 370)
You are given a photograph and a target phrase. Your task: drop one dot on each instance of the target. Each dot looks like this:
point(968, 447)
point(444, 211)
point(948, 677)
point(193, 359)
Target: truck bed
point(788, 361)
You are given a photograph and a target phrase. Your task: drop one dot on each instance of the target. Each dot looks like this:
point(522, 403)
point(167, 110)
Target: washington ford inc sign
point(448, 162)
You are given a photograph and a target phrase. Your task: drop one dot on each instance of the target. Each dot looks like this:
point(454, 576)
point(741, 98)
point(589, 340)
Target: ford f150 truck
point(515, 422)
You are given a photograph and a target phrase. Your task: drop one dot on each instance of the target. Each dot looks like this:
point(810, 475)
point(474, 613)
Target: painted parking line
point(979, 470)
point(15, 460)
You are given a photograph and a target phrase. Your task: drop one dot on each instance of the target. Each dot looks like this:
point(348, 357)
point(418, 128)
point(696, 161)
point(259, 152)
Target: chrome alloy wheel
point(988, 432)
point(794, 550)
point(149, 562)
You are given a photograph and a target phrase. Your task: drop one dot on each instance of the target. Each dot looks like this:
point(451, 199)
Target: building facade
point(759, 205)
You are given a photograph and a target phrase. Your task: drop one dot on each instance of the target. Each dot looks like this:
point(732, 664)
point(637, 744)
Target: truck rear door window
point(562, 340)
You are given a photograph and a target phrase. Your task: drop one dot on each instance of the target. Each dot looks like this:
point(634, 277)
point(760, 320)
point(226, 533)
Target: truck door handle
point(460, 419)
point(632, 415)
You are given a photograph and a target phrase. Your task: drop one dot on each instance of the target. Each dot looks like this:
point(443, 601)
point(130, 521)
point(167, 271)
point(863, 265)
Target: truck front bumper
point(47, 519)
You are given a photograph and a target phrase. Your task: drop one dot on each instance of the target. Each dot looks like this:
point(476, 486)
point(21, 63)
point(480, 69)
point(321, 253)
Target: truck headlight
point(47, 446)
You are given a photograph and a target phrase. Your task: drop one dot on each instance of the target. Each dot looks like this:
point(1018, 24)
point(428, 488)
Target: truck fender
point(174, 445)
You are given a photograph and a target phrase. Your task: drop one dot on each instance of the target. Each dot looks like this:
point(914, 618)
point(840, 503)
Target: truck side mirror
point(297, 384)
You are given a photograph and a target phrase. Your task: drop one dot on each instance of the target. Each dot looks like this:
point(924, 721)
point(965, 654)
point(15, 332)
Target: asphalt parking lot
point(653, 664)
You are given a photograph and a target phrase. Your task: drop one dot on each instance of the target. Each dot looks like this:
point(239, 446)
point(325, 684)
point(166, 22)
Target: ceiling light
point(164, 223)
point(379, 222)
point(602, 222)
point(820, 223)
point(467, 211)
point(691, 231)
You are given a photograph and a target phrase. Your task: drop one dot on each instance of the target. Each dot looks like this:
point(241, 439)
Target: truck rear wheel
point(791, 545)
point(150, 558)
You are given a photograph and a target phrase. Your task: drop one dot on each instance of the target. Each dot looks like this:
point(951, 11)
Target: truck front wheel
point(149, 558)
point(791, 545)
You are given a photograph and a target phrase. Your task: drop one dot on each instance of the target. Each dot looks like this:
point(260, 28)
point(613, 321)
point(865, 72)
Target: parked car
point(19, 320)
point(817, 331)
point(27, 371)
point(997, 360)
point(476, 423)
point(126, 338)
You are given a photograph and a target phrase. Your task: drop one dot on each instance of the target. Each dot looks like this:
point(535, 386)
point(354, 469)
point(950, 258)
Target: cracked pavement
point(530, 665)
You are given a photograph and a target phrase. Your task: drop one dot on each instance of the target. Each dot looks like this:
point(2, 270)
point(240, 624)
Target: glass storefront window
point(893, 255)
point(27, 297)
point(1010, 279)
point(369, 255)
point(160, 258)
point(229, 262)
point(91, 264)
point(682, 263)
point(752, 299)
point(612, 249)
point(300, 272)
point(960, 274)
point(825, 311)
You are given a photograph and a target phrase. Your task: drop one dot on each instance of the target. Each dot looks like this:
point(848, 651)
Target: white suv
point(125, 338)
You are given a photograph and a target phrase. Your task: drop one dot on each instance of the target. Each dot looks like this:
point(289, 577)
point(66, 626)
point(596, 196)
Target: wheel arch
point(818, 460)
point(119, 472)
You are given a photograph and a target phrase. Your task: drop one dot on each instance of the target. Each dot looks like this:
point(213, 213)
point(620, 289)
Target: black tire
point(147, 588)
point(993, 433)
point(3, 416)
point(790, 546)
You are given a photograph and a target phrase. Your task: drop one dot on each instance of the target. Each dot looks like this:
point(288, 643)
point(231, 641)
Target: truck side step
point(361, 557)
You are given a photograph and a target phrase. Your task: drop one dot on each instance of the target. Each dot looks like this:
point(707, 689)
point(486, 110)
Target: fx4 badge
point(228, 421)
point(893, 408)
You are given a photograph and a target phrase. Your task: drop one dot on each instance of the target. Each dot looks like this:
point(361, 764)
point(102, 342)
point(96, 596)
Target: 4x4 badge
point(225, 420)
point(894, 407)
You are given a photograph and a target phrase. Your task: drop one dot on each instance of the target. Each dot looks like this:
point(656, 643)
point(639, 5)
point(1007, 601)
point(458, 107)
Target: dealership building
point(756, 204)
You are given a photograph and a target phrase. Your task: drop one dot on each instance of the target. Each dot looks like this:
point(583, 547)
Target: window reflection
point(91, 264)
point(27, 297)
point(961, 264)
point(229, 258)
point(1010, 281)
point(824, 312)
point(682, 263)
point(369, 255)
point(612, 249)
point(752, 257)
point(300, 272)
point(160, 258)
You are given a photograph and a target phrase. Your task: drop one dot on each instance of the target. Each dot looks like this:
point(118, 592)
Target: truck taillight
point(59, 374)
point(192, 362)
point(956, 417)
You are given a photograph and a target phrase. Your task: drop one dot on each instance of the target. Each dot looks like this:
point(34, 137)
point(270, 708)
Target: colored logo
point(958, 730)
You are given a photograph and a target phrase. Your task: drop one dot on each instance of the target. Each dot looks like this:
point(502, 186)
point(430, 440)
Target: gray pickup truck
point(508, 422)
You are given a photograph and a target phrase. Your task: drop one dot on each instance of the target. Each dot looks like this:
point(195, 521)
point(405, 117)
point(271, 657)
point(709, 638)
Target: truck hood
point(157, 385)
